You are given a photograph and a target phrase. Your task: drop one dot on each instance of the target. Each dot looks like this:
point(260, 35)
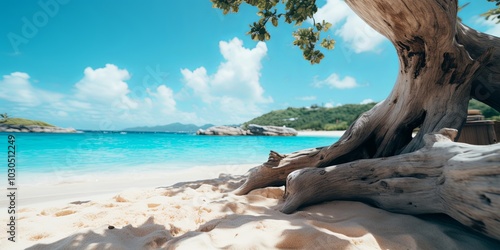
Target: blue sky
point(116, 64)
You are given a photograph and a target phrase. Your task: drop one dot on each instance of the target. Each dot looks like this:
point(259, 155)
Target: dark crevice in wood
point(409, 126)
point(413, 175)
point(365, 150)
point(403, 48)
point(441, 180)
point(412, 50)
point(478, 225)
point(449, 62)
point(448, 66)
point(418, 51)
point(485, 199)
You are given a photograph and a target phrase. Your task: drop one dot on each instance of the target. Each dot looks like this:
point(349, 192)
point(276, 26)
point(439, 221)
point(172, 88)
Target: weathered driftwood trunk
point(442, 65)
point(457, 179)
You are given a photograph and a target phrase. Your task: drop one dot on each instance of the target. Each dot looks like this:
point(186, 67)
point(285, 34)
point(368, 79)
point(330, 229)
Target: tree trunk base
point(457, 179)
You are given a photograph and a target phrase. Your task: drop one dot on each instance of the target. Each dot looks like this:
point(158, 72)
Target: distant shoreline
point(336, 133)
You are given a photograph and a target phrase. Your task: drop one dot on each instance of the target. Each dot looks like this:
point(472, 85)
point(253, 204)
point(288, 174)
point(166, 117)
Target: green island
point(15, 124)
point(336, 118)
point(21, 121)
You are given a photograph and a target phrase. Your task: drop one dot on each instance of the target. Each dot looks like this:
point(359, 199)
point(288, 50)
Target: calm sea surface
point(92, 152)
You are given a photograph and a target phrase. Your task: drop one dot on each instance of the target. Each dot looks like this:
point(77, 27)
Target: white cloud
point(366, 101)
point(198, 81)
point(307, 98)
point(115, 101)
point(79, 105)
point(105, 86)
point(491, 25)
point(239, 75)
point(334, 81)
point(334, 11)
point(234, 88)
point(165, 98)
point(357, 35)
point(235, 110)
point(361, 37)
point(16, 87)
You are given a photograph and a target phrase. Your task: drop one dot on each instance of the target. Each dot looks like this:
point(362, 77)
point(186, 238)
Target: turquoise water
point(92, 152)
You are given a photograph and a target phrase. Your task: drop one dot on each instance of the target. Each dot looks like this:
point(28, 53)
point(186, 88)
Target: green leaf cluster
point(307, 38)
point(313, 118)
point(493, 13)
point(296, 12)
point(227, 6)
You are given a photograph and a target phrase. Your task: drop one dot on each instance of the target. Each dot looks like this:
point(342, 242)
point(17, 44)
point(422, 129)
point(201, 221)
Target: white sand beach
point(320, 133)
point(152, 212)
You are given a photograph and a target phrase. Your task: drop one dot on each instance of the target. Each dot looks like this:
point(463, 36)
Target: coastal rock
point(253, 129)
point(34, 129)
point(271, 130)
point(222, 130)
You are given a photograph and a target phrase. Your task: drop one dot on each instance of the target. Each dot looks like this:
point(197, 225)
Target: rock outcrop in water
point(253, 129)
point(34, 129)
point(271, 130)
point(222, 130)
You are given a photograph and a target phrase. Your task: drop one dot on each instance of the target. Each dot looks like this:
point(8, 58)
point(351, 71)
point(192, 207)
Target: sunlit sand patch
point(64, 213)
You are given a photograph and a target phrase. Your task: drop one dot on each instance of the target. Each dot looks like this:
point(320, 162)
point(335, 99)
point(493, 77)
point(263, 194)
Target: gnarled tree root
point(272, 174)
point(457, 179)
